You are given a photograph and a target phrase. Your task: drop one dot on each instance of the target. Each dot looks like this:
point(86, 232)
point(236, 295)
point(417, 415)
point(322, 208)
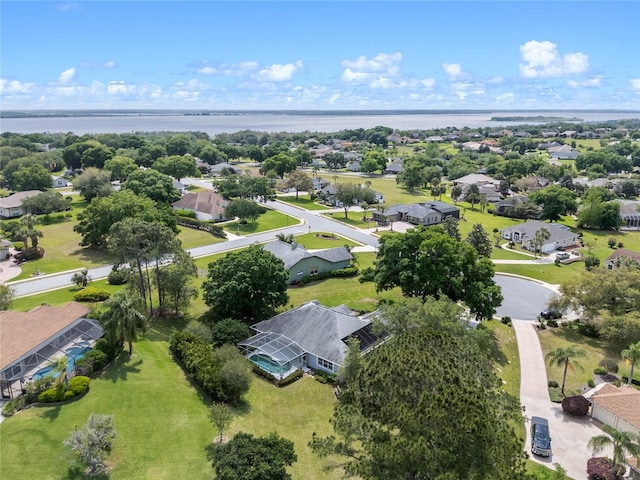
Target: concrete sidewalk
point(569, 435)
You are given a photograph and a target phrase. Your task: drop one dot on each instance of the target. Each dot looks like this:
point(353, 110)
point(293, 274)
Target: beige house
point(618, 407)
point(11, 206)
point(207, 205)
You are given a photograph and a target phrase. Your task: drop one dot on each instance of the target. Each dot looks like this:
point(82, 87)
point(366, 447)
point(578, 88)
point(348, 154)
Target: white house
point(60, 182)
point(618, 407)
point(560, 236)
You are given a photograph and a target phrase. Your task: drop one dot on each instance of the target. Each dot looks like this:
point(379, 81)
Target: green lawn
point(162, 422)
point(549, 273)
point(303, 201)
point(597, 349)
point(191, 238)
point(314, 242)
point(265, 222)
point(502, 254)
point(353, 218)
point(61, 296)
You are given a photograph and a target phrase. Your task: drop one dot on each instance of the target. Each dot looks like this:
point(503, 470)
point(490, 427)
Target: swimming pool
point(265, 363)
point(72, 353)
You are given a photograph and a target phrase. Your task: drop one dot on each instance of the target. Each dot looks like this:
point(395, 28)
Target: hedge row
point(342, 273)
point(77, 386)
point(91, 294)
point(214, 230)
point(278, 382)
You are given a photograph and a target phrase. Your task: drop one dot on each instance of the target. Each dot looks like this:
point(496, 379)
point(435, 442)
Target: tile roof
point(24, 331)
point(624, 402)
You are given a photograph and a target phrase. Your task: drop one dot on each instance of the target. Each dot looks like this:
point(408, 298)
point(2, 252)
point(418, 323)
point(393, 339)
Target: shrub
point(325, 377)
point(181, 212)
point(342, 273)
point(367, 275)
point(599, 371)
point(552, 323)
point(290, 379)
point(199, 225)
point(552, 384)
point(91, 294)
point(78, 385)
point(18, 246)
point(110, 350)
point(578, 406)
point(13, 406)
point(591, 383)
point(542, 325)
point(599, 468)
point(620, 244)
point(92, 362)
point(612, 242)
point(118, 276)
point(588, 329)
point(506, 320)
point(609, 365)
point(52, 395)
point(591, 262)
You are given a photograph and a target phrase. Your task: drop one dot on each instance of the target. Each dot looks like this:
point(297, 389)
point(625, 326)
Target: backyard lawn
point(162, 422)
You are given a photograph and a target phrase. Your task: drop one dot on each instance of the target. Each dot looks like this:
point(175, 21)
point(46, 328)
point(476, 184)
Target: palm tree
point(28, 224)
point(81, 278)
point(624, 445)
point(123, 317)
point(60, 368)
point(539, 238)
point(565, 356)
point(632, 356)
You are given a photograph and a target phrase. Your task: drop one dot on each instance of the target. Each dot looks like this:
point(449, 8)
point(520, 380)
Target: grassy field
point(597, 349)
point(303, 201)
point(548, 272)
point(265, 222)
point(162, 422)
point(353, 219)
point(313, 241)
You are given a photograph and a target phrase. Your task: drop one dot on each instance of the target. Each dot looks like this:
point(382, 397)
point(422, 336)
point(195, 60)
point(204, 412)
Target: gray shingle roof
point(292, 253)
point(319, 330)
point(15, 200)
point(529, 228)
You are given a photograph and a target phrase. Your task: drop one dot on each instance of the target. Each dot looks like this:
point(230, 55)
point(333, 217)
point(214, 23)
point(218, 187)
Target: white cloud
point(496, 80)
point(635, 84)
point(506, 98)
point(10, 87)
point(207, 70)
point(542, 60)
point(381, 63)
point(120, 88)
point(428, 83)
point(193, 85)
point(279, 73)
point(453, 70)
point(107, 64)
point(334, 98)
point(67, 76)
point(588, 83)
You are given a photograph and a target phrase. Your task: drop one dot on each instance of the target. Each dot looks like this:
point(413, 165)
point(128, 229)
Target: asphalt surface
point(523, 299)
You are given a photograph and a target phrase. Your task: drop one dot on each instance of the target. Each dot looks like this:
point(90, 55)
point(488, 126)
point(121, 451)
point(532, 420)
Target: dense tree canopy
point(394, 420)
point(46, 202)
point(120, 167)
point(152, 184)
point(96, 220)
point(243, 209)
point(92, 183)
point(299, 181)
point(246, 457)
point(249, 284)
point(426, 261)
point(32, 177)
point(177, 166)
point(555, 202)
point(279, 164)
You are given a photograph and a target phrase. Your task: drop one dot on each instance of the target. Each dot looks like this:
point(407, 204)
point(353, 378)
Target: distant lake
point(285, 122)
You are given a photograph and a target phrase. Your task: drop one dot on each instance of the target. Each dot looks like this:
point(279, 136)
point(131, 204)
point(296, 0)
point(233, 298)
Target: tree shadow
point(121, 367)
point(76, 472)
point(50, 412)
point(489, 343)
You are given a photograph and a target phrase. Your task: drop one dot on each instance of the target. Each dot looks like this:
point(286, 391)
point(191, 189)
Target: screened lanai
point(273, 353)
point(32, 340)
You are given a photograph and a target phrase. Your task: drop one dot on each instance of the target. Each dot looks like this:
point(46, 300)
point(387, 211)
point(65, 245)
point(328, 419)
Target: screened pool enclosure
point(273, 353)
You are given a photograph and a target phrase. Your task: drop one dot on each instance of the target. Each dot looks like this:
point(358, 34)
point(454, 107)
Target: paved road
point(569, 435)
point(523, 299)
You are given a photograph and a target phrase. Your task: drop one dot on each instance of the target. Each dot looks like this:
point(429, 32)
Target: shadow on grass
point(489, 343)
point(50, 413)
point(76, 472)
point(162, 328)
point(122, 367)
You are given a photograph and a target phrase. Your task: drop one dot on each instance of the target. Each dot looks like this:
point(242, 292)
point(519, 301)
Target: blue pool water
point(72, 353)
point(269, 365)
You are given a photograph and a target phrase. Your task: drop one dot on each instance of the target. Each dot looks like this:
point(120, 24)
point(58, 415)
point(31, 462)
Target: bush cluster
point(342, 273)
point(77, 386)
point(609, 365)
point(12, 406)
point(552, 384)
point(118, 276)
point(223, 374)
point(506, 320)
point(214, 230)
point(599, 468)
point(92, 362)
point(110, 350)
point(324, 377)
point(578, 406)
point(91, 294)
point(584, 328)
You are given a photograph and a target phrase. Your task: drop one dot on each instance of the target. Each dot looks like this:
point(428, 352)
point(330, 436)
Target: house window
point(325, 364)
point(313, 271)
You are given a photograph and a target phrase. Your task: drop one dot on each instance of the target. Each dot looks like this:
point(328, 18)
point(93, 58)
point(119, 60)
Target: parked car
point(550, 314)
point(562, 256)
point(540, 439)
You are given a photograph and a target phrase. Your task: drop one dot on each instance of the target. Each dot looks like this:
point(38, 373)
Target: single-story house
point(630, 214)
point(4, 249)
point(11, 206)
point(309, 336)
point(393, 168)
point(301, 263)
point(477, 179)
point(504, 206)
point(354, 166)
point(207, 205)
point(427, 213)
point(560, 236)
point(612, 260)
point(218, 168)
point(618, 407)
point(59, 182)
point(489, 190)
point(180, 187)
point(31, 340)
point(563, 152)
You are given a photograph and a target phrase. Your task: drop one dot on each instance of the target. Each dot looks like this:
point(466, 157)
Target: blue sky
point(328, 55)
